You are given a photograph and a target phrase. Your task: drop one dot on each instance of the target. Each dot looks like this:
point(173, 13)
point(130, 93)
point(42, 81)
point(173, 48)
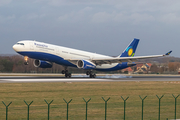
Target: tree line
point(15, 64)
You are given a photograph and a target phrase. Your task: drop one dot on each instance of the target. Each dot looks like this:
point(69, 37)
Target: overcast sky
point(101, 26)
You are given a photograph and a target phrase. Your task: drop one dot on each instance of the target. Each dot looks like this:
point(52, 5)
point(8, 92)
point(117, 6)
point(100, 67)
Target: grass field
point(37, 92)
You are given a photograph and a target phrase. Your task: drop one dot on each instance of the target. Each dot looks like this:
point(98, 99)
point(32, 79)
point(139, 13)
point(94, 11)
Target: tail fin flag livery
point(169, 53)
point(45, 54)
point(131, 49)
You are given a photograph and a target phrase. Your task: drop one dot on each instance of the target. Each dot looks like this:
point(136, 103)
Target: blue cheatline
point(61, 61)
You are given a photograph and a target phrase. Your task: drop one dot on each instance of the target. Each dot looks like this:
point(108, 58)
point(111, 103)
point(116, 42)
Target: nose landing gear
point(26, 60)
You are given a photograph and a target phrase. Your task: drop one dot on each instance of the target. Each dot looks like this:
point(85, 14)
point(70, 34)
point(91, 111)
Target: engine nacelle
point(85, 64)
point(42, 64)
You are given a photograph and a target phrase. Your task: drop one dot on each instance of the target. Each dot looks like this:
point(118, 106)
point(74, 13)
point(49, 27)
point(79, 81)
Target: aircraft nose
point(15, 47)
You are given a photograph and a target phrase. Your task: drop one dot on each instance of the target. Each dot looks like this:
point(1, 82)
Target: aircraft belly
point(106, 66)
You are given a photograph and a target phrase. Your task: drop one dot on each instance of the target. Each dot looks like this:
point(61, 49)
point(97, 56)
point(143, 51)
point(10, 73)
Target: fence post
point(6, 109)
point(142, 104)
point(159, 105)
point(105, 105)
point(67, 106)
point(175, 104)
point(124, 106)
point(28, 109)
point(48, 106)
point(86, 105)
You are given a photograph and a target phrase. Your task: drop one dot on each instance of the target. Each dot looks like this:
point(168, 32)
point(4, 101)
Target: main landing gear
point(66, 73)
point(91, 74)
point(26, 60)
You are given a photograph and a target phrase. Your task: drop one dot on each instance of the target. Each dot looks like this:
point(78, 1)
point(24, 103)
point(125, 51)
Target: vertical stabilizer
point(131, 49)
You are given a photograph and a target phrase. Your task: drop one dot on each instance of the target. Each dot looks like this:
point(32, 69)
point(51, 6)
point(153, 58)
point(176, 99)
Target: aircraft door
point(57, 51)
point(31, 45)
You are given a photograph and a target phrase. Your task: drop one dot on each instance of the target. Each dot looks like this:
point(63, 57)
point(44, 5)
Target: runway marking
point(54, 80)
point(86, 79)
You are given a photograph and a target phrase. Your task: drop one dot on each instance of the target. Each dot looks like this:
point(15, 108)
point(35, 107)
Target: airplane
point(45, 55)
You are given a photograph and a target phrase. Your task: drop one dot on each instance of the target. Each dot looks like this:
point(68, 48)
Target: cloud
point(5, 19)
point(73, 2)
point(4, 2)
point(134, 18)
point(97, 21)
point(102, 17)
point(120, 11)
point(63, 18)
point(138, 18)
point(72, 17)
point(170, 18)
point(87, 9)
point(32, 16)
point(76, 16)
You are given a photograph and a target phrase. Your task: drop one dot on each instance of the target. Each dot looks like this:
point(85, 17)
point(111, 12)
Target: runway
point(77, 78)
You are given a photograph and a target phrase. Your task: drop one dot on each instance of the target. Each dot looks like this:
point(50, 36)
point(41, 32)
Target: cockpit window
point(20, 43)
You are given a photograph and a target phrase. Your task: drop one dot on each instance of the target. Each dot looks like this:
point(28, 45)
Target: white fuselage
point(31, 47)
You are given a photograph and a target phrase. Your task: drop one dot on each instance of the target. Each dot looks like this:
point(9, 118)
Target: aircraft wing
point(124, 59)
point(110, 60)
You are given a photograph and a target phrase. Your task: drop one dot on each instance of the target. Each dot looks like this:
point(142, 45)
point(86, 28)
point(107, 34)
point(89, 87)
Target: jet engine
point(85, 64)
point(42, 64)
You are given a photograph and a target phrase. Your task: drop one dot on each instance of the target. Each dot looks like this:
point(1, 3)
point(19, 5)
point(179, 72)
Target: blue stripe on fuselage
point(61, 61)
point(47, 57)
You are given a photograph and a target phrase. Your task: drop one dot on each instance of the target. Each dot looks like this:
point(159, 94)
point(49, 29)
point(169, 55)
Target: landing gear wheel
point(63, 72)
point(68, 75)
point(26, 63)
point(87, 73)
point(92, 75)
